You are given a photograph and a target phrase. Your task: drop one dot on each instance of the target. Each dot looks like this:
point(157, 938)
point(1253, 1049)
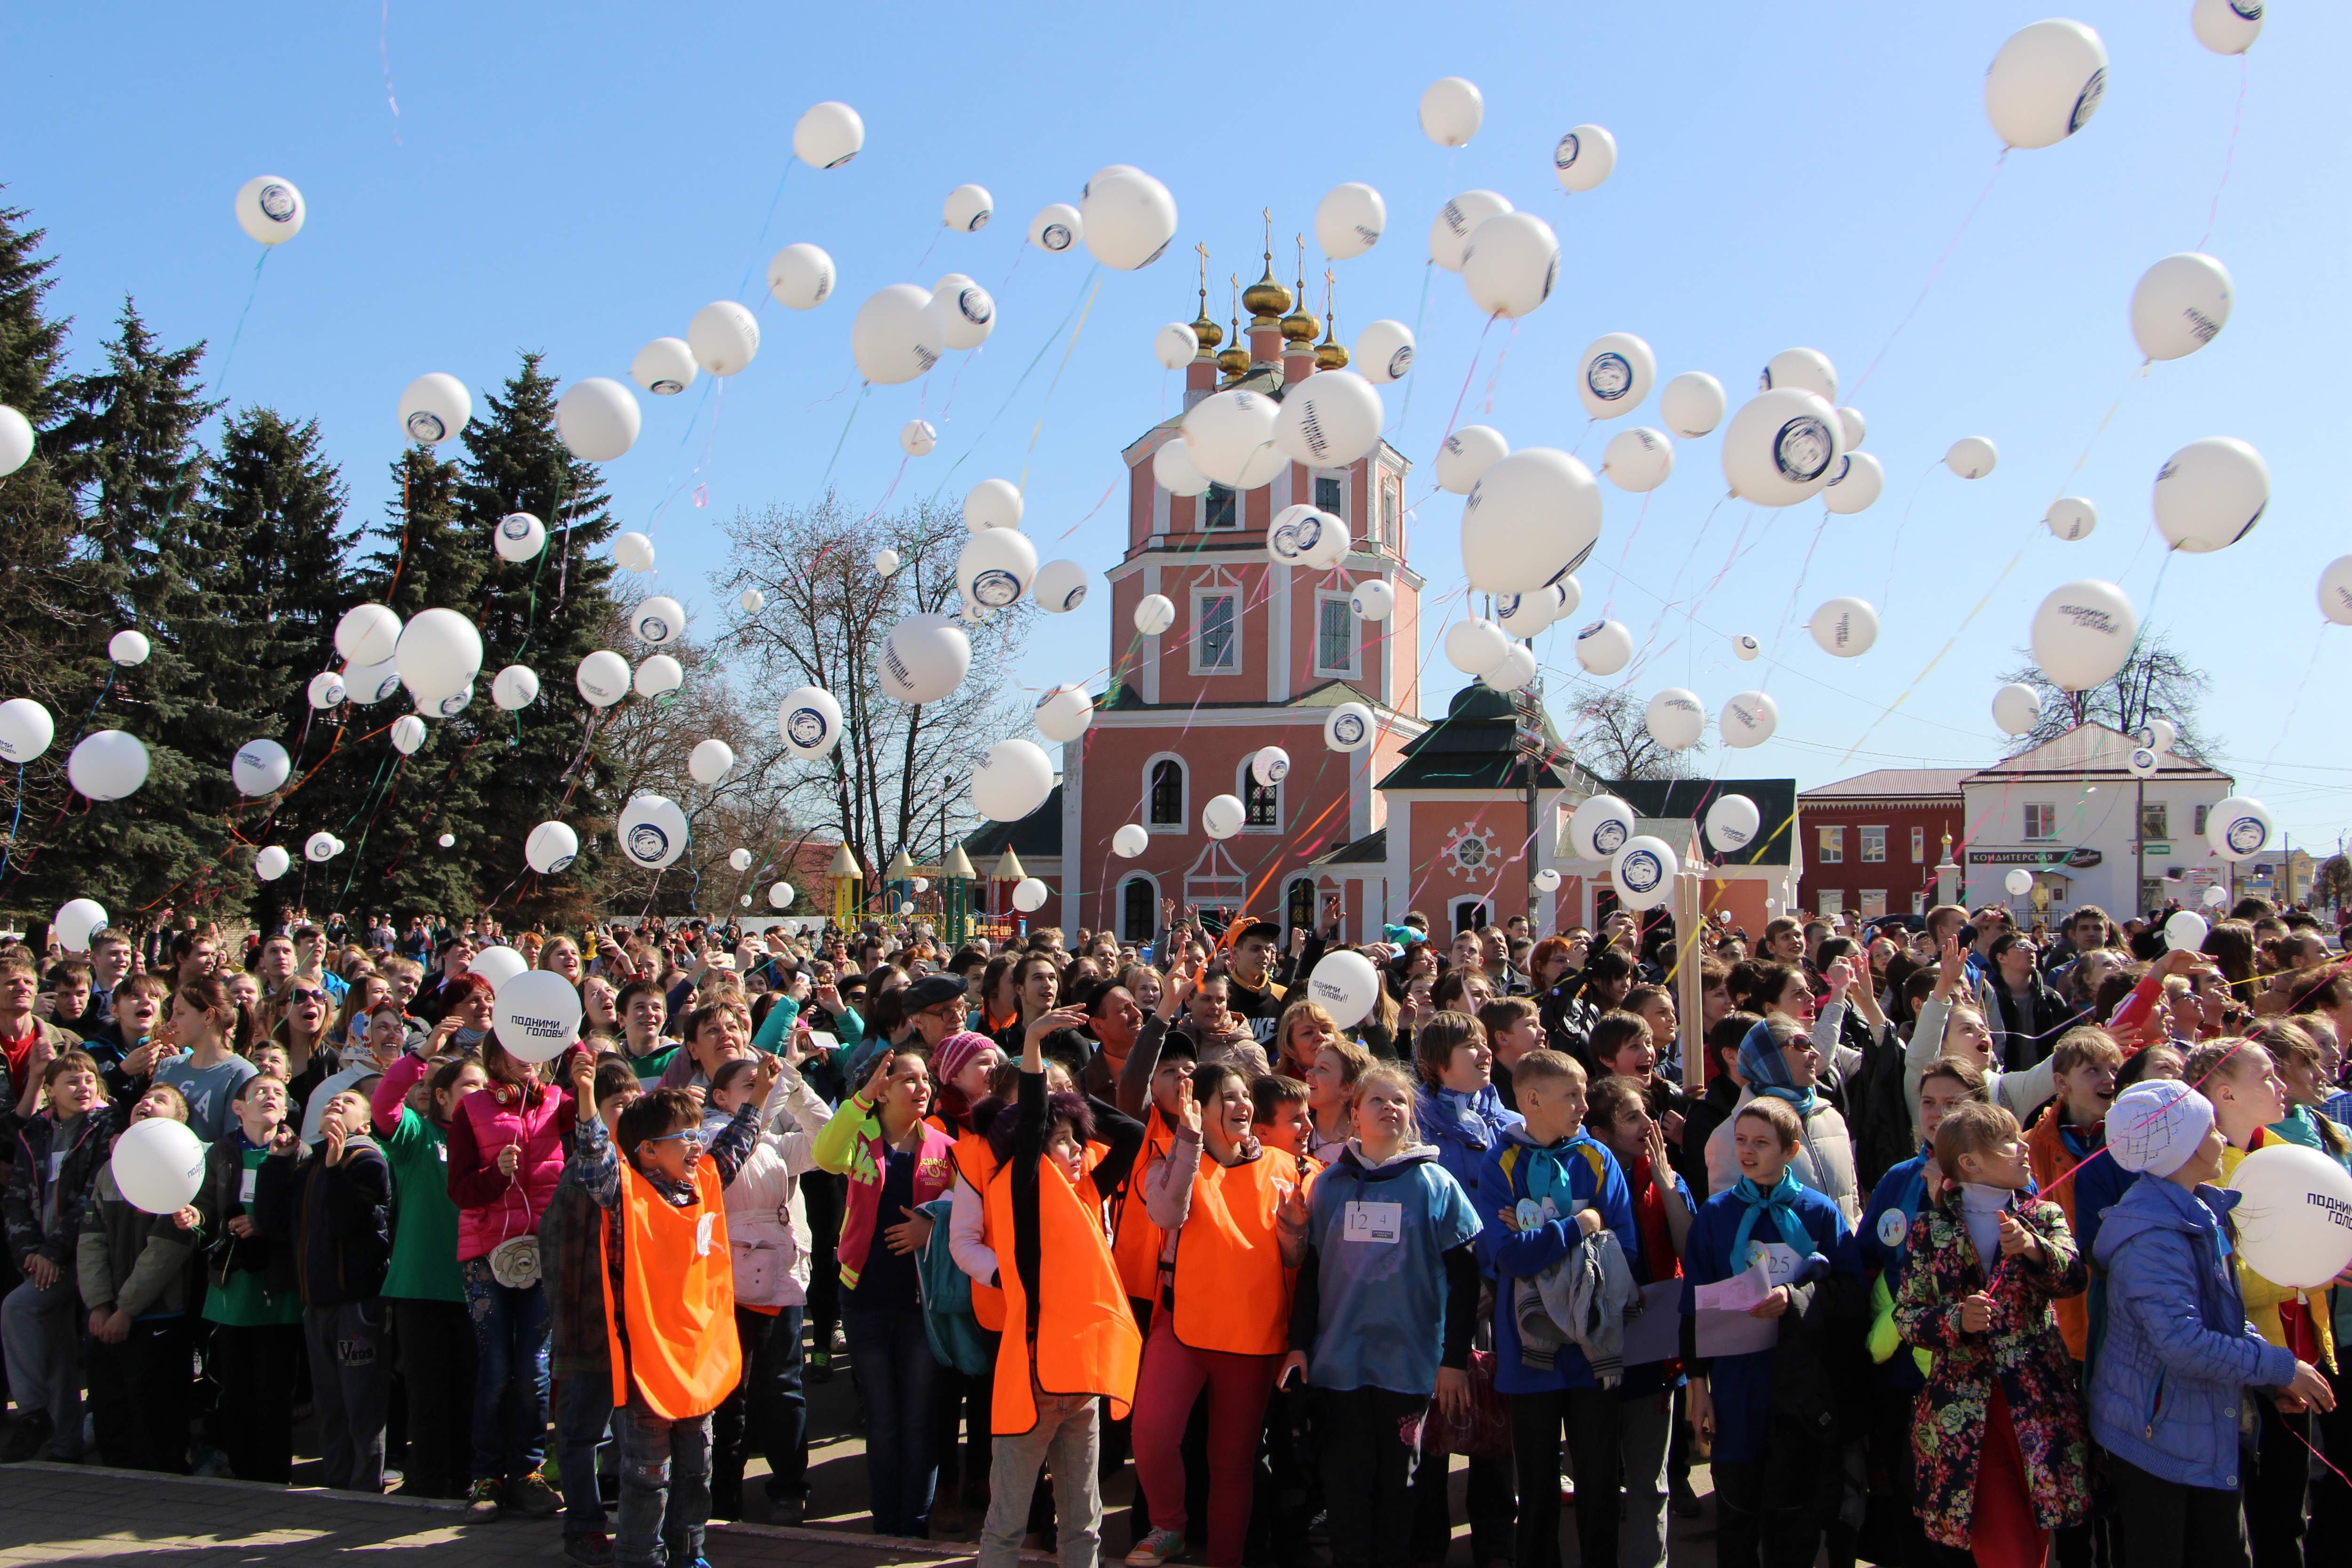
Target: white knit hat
point(2155, 1125)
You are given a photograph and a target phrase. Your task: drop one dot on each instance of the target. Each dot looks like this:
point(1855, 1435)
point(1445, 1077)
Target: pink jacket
point(494, 1207)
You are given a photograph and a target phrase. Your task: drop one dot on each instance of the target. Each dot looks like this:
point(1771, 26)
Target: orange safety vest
point(677, 1299)
point(1136, 1241)
point(1086, 1341)
point(975, 1161)
point(1232, 1291)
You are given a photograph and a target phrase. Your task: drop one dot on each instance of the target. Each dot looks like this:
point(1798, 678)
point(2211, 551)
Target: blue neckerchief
point(1803, 1100)
point(1547, 1179)
point(1780, 1203)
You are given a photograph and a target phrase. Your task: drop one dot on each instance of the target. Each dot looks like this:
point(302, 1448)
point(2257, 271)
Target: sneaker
point(820, 1366)
point(1159, 1547)
point(210, 1463)
point(530, 1494)
point(788, 1510)
point(26, 1438)
point(482, 1503)
point(1684, 1502)
point(594, 1550)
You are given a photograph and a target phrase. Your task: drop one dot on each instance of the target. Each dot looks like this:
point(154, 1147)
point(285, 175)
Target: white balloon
point(2161, 734)
point(1154, 613)
point(1350, 220)
point(1175, 346)
point(1782, 447)
point(2210, 493)
point(77, 920)
point(658, 620)
point(2215, 897)
point(1348, 727)
point(2016, 708)
point(1971, 456)
point(1060, 587)
point(1644, 871)
point(1385, 351)
point(780, 895)
point(259, 767)
point(651, 831)
point(1063, 715)
point(1129, 217)
point(800, 276)
point(1328, 421)
point(1372, 599)
point(724, 336)
point(967, 208)
point(1346, 987)
point(739, 860)
point(1600, 826)
point(924, 658)
point(1525, 614)
point(128, 647)
point(1547, 881)
point(25, 731)
point(1517, 671)
point(603, 677)
point(2143, 762)
point(407, 734)
point(107, 764)
point(1450, 112)
point(2227, 28)
point(1012, 781)
point(434, 408)
point(1746, 647)
point(1692, 404)
point(991, 503)
point(709, 761)
point(2237, 827)
point(665, 367)
point(967, 309)
point(1845, 628)
point(1222, 816)
point(438, 654)
point(1056, 227)
point(1567, 593)
point(828, 135)
point(1531, 519)
point(539, 1012)
point(658, 675)
point(916, 438)
point(1172, 467)
point(1584, 158)
point(900, 333)
point(1229, 436)
point(810, 722)
point(16, 441)
point(1282, 543)
point(1603, 647)
point(2046, 83)
point(320, 847)
point(272, 863)
point(2070, 518)
point(1748, 718)
point(1856, 481)
point(2180, 304)
point(752, 602)
point(1510, 264)
point(994, 567)
point(886, 563)
point(2335, 591)
point(325, 690)
point(1676, 719)
point(369, 684)
point(1457, 220)
point(518, 536)
point(1130, 840)
point(2083, 634)
point(1615, 375)
point(1029, 895)
point(552, 848)
point(1732, 822)
point(515, 688)
point(456, 703)
point(2290, 1219)
point(1466, 454)
point(269, 209)
point(1853, 426)
point(1638, 460)
point(2018, 883)
point(158, 1165)
point(631, 551)
point(1474, 646)
point(1800, 370)
point(1270, 764)
point(598, 419)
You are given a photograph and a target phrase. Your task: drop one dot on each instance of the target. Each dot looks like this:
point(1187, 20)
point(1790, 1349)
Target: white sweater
point(1823, 1160)
point(2022, 1093)
point(767, 1220)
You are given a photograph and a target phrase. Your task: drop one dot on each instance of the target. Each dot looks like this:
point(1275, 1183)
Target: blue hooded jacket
point(1464, 1127)
point(1510, 1175)
point(2169, 1385)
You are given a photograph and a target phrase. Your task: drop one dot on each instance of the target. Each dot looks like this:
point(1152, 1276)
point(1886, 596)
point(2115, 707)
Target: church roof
point(1038, 836)
point(1686, 800)
point(1371, 849)
point(1475, 746)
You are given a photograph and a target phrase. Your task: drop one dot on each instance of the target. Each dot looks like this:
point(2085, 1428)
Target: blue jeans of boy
point(664, 1486)
point(583, 1414)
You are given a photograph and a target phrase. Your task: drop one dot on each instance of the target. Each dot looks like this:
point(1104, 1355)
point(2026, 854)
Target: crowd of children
point(1928, 1253)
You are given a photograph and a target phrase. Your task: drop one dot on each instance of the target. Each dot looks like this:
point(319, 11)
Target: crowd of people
point(1925, 1250)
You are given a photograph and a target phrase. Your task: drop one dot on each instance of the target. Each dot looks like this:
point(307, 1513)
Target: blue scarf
point(1767, 1070)
point(1780, 1203)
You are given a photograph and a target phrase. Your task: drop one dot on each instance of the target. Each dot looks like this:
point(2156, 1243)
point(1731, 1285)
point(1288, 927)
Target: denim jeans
point(767, 1414)
point(43, 1341)
point(664, 1486)
point(583, 1414)
point(510, 1374)
point(894, 1368)
point(351, 1381)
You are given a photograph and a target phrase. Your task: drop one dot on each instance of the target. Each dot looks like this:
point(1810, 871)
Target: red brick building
point(1871, 842)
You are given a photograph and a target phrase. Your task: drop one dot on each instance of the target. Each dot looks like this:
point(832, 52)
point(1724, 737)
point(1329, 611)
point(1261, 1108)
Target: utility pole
point(1527, 703)
point(2139, 850)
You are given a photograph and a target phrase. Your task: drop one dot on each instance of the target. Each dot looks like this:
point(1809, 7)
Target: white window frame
point(1862, 845)
point(1183, 823)
point(1392, 513)
point(1242, 784)
point(1353, 668)
point(1192, 643)
point(1867, 895)
point(1829, 850)
point(2048, 811)
point(1829, 901)
point(1118, 906)
point(1204, 525)
point(1919, 847)
point(1338, 477)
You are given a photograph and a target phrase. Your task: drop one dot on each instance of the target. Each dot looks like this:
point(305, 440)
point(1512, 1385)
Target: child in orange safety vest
point(670, 1304)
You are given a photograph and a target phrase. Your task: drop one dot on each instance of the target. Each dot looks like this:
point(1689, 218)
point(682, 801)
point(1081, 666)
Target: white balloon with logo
point(2179, 305)
point(1466, 455)
point(925, 657)
point(1732, 821)
point(1971, 456)
point(1748, 718)
point(1346, 987)
point(1692, 404)
point(665, 367)
point(1800, 370)
point(651, 831)
point(1604, 648)
point(518, 537)
point(1130, 840)
point(1229, 435)
point(2016, 708)
point(828, 135)
point(1643, 869)
point(1638, 460)
point(321, 846)
point(1348, 727)
point(434, 408)
point(724, 337)
point(552, 848)
point(259, 767)
point(810, 722)
point(270, 209)
point(1457, 220)
point(1600, 826)
point(1782, 447)
point(1063, 715)
point(2210, 493)
point(898, 334)
point(2046, 83)
point(1328, 421)
point(1385, 351)
point(1222, 816)
point(1510, 265)
point(2228, 27)
point(603, 677)
point(800, 276)
point(2238, 827)
point(1012, 781)
point(1585, 157)
point(1845, 628)
point(1615, 375)
point(515, 688)
point(1060, 587)
point(1372, 599)
point(26, 729)
point(1056, 227)
point(1856, 481)
point(1175, 345)
point(1531, 519)
point(1676, 719)
point(2083, 633)
point(1350, 220)
point(967, 208)
point(968, 310)
point(2070, 518)
point(1127, 217)
point(658, 675)
point(539, 1013)
point(2290, 1221)
point(995, 567)
point(658, 620)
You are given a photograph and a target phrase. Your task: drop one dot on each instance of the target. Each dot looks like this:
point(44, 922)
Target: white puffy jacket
point(767, 1222)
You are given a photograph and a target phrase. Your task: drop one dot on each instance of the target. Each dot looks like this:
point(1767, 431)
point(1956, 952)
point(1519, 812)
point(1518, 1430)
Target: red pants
point(1170, 1379)
point(2002, 1531)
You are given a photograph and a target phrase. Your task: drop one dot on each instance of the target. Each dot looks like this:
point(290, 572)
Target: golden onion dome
point(1265, 298)
point(1299, 327)
point(1235, 361)
point(1208, 331)
point(1332, 353)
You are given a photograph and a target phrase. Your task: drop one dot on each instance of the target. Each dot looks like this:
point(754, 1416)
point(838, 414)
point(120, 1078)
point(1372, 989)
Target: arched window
point(1164, 794)
point(1138, 899)
point(1261, 804)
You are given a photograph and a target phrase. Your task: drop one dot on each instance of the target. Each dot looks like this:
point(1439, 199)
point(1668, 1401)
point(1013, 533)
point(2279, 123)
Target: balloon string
point(399, 560)
point(1500, 355)
point(1933, 273)
point(72, 741)
point(15, 820)
point(1788, 612)
point(844, 434)
point(2285, 728)
point(358, 850)
point(228, 356)
point(384, 52)
point(1894, 549)
point(671, 489)
point(1420, 313)
point(1626, 549)
point(2229, 162)
point(760, 244)
point(1093, 273)
point(1071, 348)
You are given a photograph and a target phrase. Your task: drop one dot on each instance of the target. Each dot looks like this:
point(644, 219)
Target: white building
point(2071, 813)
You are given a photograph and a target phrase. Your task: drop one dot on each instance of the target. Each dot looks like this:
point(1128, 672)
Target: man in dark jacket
point(56, 1155)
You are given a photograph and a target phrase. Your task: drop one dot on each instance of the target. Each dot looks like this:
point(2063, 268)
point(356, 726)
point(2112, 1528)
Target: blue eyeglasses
point(691, 1137)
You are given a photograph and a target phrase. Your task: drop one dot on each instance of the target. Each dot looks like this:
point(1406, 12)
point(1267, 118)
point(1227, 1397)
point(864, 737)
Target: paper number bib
point(1381, 1224)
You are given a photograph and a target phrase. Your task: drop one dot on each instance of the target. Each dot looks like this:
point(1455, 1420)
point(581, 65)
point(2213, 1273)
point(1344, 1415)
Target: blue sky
point(581, 178)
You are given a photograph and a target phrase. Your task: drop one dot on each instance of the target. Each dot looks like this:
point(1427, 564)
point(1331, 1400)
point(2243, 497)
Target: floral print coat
point(2022, 1349)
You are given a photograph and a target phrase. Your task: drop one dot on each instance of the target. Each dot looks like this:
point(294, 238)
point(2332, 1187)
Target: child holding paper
point(1776, 1444)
